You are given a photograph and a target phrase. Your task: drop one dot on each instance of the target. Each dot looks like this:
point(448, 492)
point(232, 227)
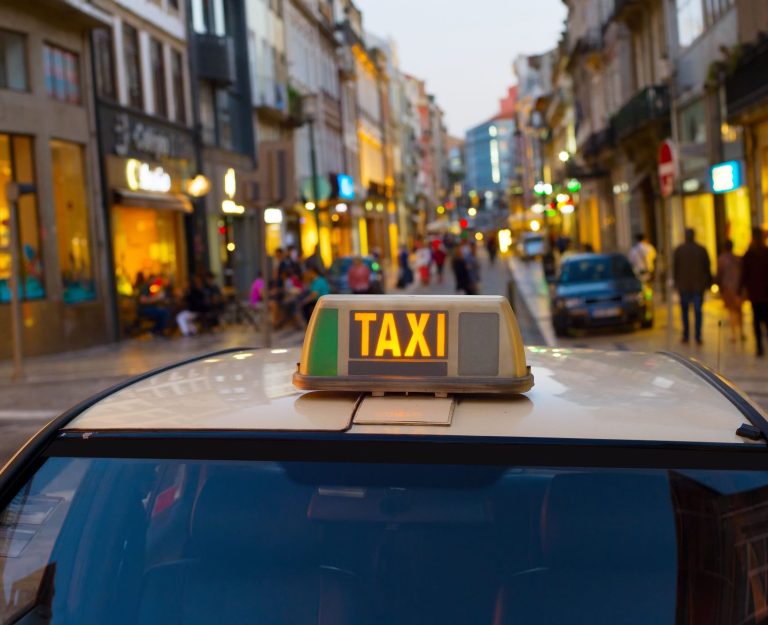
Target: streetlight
point(564, 156)
point(13, 192)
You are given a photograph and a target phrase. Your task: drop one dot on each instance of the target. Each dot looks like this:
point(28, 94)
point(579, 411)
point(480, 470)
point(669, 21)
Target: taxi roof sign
point(413, 344)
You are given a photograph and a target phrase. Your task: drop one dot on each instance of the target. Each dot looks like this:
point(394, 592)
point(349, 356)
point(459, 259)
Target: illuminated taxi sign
point(444, 344)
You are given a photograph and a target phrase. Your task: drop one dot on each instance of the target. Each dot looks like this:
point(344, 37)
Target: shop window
point(71, 206)
point(132, 66)
point(16, 165)
point(13, 61)
point(146, 242)
point(62, 74)
point(158, 77)
point(104, 63)
point(177, 77)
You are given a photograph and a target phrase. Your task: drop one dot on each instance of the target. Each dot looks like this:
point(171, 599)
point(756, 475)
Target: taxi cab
point(412, 463)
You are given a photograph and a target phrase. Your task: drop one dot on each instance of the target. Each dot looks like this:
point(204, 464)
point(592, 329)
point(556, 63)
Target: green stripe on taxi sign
point(323, 353)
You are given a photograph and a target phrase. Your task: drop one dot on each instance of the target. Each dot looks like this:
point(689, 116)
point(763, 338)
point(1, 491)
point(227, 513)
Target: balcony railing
point(748, 84)
point(215, 58)
point(598, 141)
point(644, 108)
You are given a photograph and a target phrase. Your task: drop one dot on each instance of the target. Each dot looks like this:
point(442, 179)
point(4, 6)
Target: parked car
point(599, 290)
point(337, 274)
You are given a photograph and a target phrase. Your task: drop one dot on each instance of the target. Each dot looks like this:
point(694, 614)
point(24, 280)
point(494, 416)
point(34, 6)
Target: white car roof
point(578, 394)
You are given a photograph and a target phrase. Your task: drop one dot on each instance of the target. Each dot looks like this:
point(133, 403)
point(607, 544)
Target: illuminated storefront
point(728, 179)
point(147, 166)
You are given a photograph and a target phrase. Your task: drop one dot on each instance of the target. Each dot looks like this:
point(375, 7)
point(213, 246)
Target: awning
point(159, 201)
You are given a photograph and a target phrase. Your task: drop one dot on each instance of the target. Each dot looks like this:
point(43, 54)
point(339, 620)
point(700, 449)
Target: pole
point(266, 320)
point(315, 191)
point(13, 193)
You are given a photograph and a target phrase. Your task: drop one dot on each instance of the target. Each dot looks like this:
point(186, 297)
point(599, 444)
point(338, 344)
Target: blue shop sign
point(346, 187)
point(725, 177)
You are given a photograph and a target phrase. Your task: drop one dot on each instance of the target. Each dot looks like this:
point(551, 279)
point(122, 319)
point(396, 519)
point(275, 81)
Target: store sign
point(142, 177)
point(128, 134)
point(346, 187)
point(725, 177)
point(229, 206)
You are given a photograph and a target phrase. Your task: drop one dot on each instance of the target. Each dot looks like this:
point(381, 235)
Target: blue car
point(599, 290)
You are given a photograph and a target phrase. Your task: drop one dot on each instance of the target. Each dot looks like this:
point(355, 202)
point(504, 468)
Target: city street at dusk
point(383, 312)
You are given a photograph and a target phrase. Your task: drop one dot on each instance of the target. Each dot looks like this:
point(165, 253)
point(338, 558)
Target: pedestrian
point(461, 272)
point(729, 282)
point(491, 247)
point(423, 262)
point(214, 300)
point(317, 286)
point(643, 258)
point(194, 307)
point(754, 279)
point(405, 273)
point(438, 257)
point(692, 277)
point(315, 261)
point(153, 304)
point(291, 298)
point(473, 264)
point(359, 277)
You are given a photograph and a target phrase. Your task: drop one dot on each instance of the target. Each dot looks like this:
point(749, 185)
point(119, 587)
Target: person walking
point(643, 258)
point(491, 247)
point(405, 274)
point(359, 277)
point(729, 282)
point(423, 262)
point(754, 279)
point(438, 257)
point(692, 277)
point(461, 272)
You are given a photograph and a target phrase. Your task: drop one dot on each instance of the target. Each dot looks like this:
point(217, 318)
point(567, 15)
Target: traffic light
point(463, 223)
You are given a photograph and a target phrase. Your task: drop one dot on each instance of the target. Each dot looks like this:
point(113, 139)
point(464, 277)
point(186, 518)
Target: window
point(71, 207)
point(207, 113)
point(16, 165)
point(383, 543)
point(690, 21)
point(224, 119)
point(158, 77)
point(132, 66)
point(104, 63)
point(177, 78)
point(62, 74)
point(208, 17)
point(13, 61)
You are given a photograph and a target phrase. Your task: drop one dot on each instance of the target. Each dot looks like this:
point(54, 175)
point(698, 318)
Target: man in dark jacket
point(754, 278)
point(692, 277)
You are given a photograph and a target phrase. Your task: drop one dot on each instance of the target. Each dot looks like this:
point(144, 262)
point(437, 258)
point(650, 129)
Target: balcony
point(215, 58)
point(597, 142)
point(628, 11)
point(748, 84)
point(645, 108)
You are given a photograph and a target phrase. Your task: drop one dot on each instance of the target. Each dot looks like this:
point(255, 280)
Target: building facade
point(47, 121)
point(225, 139)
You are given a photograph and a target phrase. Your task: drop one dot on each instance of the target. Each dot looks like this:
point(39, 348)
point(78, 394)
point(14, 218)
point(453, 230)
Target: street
point(56, 383)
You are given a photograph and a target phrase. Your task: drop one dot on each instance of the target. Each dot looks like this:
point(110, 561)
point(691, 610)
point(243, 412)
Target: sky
point(464, 49)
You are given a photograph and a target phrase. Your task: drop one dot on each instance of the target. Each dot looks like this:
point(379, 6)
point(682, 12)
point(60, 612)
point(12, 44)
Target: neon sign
point(141, 177)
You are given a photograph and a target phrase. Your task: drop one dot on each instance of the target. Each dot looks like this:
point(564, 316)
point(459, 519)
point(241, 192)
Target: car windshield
point(596, 269)
point(95, 541)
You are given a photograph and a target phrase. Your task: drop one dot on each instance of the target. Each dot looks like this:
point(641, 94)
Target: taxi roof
point(579, 394)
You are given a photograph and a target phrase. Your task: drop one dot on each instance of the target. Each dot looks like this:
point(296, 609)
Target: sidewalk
point(735, 361)
point(54, 383)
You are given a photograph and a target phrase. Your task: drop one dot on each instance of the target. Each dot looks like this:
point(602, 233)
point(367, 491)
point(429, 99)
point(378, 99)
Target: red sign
point(667, 168)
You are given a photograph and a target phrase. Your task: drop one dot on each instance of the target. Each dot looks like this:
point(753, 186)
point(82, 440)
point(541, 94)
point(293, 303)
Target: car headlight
point(573, 302)
point(634, 298)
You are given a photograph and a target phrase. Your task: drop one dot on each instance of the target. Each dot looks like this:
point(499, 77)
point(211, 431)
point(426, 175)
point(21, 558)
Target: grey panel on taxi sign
point(478, 344)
